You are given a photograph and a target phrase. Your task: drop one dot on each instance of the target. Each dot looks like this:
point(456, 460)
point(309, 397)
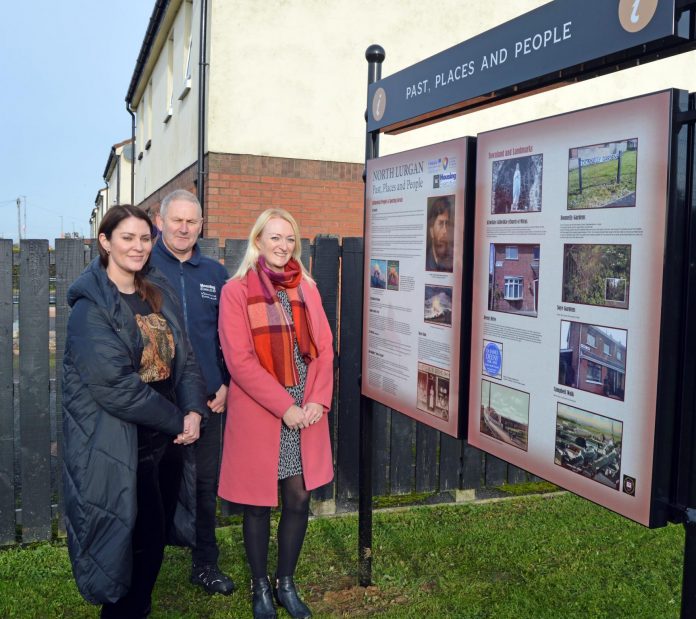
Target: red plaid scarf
point(271, 330)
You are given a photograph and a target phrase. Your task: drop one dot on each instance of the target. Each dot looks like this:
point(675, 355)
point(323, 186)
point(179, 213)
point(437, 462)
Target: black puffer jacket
point(103, 402)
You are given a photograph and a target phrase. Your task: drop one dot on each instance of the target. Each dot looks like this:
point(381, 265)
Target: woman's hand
point(295, 418)
point(313, 412)
point(192, 429)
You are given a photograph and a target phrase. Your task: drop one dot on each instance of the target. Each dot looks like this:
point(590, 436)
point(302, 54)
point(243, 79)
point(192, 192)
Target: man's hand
point(218, 403)
point(192, 429)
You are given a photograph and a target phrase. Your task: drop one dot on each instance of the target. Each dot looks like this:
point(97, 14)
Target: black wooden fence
point(407, 457)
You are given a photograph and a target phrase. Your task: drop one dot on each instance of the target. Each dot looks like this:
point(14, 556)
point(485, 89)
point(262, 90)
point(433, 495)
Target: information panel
point(567, 290)
point(412, 313)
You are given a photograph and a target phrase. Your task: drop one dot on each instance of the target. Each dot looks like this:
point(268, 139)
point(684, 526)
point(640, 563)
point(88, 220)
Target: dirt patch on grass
point(345, 599)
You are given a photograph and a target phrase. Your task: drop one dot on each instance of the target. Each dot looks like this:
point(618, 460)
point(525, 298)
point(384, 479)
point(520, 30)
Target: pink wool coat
point(256, 403)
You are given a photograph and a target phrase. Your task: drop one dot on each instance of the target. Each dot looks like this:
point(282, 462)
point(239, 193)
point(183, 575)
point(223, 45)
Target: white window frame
point(187, 71)
point(169, 110)
point(508, 253)
point(591, 340)
point(513, 288)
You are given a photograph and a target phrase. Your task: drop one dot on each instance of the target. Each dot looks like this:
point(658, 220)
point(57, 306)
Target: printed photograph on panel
point(493, 359)
point(588, 444)
point(437, 305)
point(603, 175)
point(505, 414)
point(513, 278)
point(433, 391)
point(393, 275)
point(516, 185)
point(592, 358)
point(378, 273)
point(597, 275)
point(439, 240)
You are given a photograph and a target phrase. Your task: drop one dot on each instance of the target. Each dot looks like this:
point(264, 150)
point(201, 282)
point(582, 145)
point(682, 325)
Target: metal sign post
point(375, 57)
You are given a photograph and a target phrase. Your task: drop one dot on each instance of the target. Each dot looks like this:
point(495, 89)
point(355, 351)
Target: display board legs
point(688, 601)
point(365, 495)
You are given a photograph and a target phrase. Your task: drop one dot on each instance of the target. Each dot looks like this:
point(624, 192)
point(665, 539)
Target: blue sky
point(66, 69)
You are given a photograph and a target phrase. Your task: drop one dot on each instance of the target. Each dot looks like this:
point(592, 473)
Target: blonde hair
point(251, 256)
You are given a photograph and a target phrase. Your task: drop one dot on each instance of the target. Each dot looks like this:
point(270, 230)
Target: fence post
point(209, 247)
point(7, 470)
point(325, 269)
point(34, 419)
point(402, 465)
point(496, 471)
point(579, 174)
point(472, 471)
point(348, 411)
point(618, 168)
point(70, 261)
point(308, 252)
point(426, 458)
point(381, 448)
point(234, 252)
point(450, 462)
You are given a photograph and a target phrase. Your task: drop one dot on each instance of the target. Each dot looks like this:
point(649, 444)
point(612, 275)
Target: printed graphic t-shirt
point(158, 345)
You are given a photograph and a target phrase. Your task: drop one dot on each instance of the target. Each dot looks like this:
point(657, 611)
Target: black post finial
point(375, 53)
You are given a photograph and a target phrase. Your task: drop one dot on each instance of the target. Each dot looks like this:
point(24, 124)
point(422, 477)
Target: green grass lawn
point(528, 557)
point(599, 188)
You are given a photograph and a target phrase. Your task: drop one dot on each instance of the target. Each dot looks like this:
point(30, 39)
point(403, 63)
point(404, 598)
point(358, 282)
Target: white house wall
point(172, 143)
point(120, 181)
point(288, 79)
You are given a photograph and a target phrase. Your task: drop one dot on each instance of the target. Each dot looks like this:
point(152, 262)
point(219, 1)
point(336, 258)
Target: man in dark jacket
point(198, 281)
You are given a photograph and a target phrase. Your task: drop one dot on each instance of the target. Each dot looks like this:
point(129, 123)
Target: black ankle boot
point(286, 596)
point(261, 599)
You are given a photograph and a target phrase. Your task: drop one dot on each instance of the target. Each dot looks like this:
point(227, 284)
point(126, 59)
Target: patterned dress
point(290, 461)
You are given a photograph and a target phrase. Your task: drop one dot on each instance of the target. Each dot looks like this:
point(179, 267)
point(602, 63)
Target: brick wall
point(183, 180)
point(325, 197)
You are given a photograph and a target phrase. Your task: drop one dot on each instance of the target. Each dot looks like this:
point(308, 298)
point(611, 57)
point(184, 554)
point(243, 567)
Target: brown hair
point(114, 216)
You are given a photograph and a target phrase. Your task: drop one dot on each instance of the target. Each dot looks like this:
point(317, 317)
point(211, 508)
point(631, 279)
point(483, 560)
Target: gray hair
point(179, 194)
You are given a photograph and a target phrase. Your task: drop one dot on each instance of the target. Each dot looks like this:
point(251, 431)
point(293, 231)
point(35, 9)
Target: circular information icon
point(492, 359)
point(635, 15)
point(379, 104)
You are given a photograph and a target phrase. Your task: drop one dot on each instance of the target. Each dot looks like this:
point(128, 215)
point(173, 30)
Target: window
point(536, 252)
point(511, 252)
point(618, 355)
point(188, 49)
point(148, 114)
point(169, 105)
point(513, 288)
point(591, 340)
point(607, 349)
point(594, 373)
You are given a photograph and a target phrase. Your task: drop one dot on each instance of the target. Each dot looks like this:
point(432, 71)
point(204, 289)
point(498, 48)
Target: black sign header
point(548, 40)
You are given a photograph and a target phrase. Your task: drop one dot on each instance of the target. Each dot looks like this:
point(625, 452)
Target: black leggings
point(291, 529)
point(149, 531)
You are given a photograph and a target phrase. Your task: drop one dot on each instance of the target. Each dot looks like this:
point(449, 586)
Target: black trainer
point(211, 579)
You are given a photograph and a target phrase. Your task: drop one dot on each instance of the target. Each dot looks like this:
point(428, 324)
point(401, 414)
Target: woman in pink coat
point(278, 348)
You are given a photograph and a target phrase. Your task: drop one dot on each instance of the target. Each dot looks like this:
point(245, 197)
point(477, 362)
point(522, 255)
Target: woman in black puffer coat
point(131, 388)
